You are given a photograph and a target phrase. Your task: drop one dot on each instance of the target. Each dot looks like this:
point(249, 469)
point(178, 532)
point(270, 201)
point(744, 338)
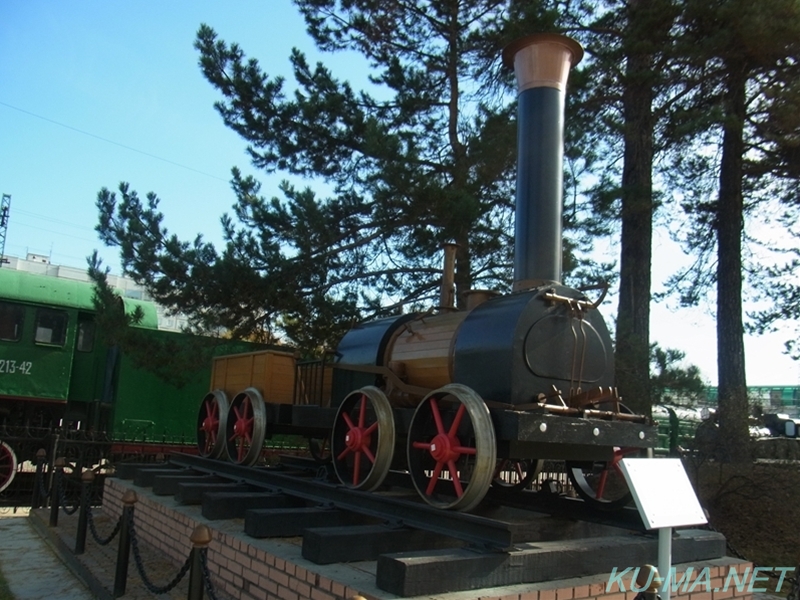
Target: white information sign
point(662, 491)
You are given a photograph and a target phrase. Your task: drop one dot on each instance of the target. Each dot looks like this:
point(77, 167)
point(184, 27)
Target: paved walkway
point(31, 568)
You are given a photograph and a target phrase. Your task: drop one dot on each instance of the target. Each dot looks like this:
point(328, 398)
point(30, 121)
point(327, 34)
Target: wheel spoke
point(421, 446)
point(371, 429)
point(456, 481)
point(434, 478)
point(368, 454)
point(347, 420)
point(457, 421)
point(356, 468)
point(362, 411)
point(601, 484)
point(437, 418)
point(465, 450)
point(344, 453)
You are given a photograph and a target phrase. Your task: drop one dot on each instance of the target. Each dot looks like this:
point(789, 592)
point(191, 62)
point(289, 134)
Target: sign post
point(665, 499)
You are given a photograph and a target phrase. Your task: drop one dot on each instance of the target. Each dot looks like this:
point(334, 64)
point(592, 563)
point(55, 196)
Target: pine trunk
point(733, 409)
point(633, 316)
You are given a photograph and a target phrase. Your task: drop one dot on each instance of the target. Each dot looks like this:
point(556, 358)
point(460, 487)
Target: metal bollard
point(55, 499)
point(87, 478)
point(200, 538)
point(647, 583)
point(36, 500)
point(124, 551)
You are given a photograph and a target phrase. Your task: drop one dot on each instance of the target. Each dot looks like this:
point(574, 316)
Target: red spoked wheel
point(362, 440)
point(515, 475)
point(8, 465)
point(246, 427)
point(451, 448)
point(211, 424)
point(601, 483)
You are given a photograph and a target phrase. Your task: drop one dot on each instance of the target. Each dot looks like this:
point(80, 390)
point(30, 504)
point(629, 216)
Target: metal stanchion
point(38, 490)
point(123, 554)
point(55, 484)
point(647, 582)
point(87, 478)
point(200, 538)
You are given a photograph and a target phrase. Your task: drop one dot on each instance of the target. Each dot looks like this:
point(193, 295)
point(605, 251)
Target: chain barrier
point(206, 574)
point(44, 492)
point(62, 498)
point(93, 529)
point(154, 589)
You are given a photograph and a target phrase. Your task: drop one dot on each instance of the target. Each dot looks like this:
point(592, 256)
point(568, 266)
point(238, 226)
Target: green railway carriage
point(48, 348)
point(58, 380)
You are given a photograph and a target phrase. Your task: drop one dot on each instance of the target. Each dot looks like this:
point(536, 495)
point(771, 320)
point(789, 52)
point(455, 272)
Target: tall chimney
point(541, 63)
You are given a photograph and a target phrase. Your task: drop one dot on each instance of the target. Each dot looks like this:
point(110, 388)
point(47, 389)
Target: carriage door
point(85, 384)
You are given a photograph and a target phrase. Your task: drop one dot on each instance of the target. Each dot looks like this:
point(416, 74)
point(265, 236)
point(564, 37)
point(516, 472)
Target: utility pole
point(5, 208)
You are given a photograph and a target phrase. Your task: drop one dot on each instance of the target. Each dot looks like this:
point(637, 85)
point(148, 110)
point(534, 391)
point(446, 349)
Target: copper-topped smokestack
point(541, 63)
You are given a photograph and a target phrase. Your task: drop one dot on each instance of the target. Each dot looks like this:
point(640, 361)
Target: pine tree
point(737, 55)
point(423, 159)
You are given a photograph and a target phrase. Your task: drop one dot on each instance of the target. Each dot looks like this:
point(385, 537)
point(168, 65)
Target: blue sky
point(127, 72)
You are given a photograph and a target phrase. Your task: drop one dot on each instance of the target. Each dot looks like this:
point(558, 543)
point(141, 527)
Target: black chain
point(43, 491)
point(93, 529)
point(140, 566)
point(62, 497)
point(206, 575)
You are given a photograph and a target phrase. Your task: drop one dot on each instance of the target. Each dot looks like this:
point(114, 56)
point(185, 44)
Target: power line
point(166, 160)
point(54, 220)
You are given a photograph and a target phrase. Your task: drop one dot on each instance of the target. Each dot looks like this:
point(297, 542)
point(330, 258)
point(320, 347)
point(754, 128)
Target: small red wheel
point(602, 484)
point(211, 424)
point(8, 465)
point(246, 427)
point(451, 448)
point(362, 440)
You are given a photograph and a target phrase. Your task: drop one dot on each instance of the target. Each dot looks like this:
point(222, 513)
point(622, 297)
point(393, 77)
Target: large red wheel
point(211, 424)
point(246, 427)
point(602, 484)
point(362, 440)
point(8, 465)
point(451, 448)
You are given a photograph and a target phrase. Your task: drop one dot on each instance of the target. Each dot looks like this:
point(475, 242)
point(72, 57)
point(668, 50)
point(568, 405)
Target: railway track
point(511, 538)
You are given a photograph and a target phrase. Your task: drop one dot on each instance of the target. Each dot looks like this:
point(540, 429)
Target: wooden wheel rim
point(362, 439)
point(212, 420)
point(246, 427)
point(435, 444)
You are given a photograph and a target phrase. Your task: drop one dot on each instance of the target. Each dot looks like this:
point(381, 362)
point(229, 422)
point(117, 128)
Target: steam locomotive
point(466, 399)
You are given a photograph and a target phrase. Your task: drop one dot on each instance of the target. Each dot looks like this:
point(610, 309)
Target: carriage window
point(85, 336)
point(51, 327)
point(11, 316)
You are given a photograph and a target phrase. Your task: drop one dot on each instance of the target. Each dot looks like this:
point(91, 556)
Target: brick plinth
point(244, 568)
